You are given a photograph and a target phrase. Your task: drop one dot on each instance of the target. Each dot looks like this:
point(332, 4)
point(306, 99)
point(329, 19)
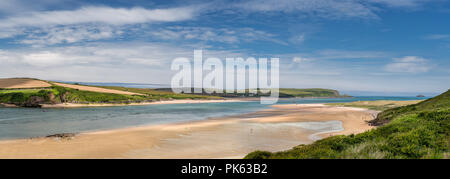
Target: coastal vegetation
point(55, 94)
point(380, 105)
point(415, 131)
point(283, 93)
point(313, 92)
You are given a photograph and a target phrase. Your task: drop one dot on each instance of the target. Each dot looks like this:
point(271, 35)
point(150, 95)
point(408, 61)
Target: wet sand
point(279, 128)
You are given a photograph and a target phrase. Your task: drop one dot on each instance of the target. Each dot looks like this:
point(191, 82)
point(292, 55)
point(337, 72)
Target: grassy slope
point(283, 93)
point(58, 94)
point(21, 96)
point(416, 131)
point(314, 92)
point(380, 105)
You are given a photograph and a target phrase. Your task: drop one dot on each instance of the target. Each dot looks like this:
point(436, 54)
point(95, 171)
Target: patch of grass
point(59, 94)
point(20, 97)
point(313, 92)
point(439, 102)
point(414, 132)
point(283, 93)
point(24, 91)
point(380, 105)
point(64, 94)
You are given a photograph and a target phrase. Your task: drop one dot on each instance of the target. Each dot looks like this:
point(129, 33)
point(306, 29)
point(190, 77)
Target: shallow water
point(27, 122)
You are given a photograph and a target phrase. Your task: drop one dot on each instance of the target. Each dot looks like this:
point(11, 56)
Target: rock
point(34, 102)
point(420, 96)
point(62, 135)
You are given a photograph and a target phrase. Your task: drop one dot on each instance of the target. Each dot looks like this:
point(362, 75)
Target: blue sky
point(356, 46)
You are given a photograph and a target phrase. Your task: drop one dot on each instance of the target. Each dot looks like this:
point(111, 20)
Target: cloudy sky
point(380, 46)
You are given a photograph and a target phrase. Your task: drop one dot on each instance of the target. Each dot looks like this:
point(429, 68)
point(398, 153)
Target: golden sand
point(230, 137)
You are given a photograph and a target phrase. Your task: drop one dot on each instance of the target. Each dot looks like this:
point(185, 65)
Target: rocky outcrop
point(34, 102)
point(62, 135)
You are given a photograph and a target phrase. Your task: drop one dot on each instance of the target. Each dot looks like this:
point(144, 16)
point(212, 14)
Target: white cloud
point(400, 3)
point(333, 9)
point(104, 15)
point(347, 54)
point(8, 33)
point(301, 59)
point(408, 64)
point(43, 59)
point(69, 34)
point(19, 6)
point(329, 9)
point(84, 24)
point(207, 34)
point(122, 62)
point(297, 39)
point(438, 37)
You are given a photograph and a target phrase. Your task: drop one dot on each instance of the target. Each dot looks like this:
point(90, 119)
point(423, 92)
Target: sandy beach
point(279, 128)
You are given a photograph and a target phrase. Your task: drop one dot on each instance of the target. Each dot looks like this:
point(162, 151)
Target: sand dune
point(22, 83)
point(231, 137)
point(95, 89)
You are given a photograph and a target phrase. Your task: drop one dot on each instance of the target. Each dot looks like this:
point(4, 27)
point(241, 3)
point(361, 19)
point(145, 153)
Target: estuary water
point(31, 122)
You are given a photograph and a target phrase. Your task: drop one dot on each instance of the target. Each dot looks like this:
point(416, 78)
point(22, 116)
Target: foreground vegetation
point(411, 132)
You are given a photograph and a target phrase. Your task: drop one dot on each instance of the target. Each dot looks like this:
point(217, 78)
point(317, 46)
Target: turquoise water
point(30, 122)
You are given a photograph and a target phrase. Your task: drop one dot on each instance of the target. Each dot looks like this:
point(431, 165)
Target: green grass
point(19, 97)
point(313, 92)
point(283, 93)
point(64, 94)
point(411, 132)
point(439, 102)
point(24, 91)
point(380, 105)
point(59, 94)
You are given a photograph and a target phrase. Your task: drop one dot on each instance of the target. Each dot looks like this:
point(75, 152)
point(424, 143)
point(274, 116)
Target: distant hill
point(313, 92)
point(26, 92)
point(283, 93)
point(411, 132)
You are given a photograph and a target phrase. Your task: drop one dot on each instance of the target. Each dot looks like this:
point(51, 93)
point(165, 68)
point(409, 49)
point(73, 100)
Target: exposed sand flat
point(231, 137)
point(95, 89)
point(354, 119)
point(15, 83)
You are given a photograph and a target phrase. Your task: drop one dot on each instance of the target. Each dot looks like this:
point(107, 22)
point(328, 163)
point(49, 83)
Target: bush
point(259, 155)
